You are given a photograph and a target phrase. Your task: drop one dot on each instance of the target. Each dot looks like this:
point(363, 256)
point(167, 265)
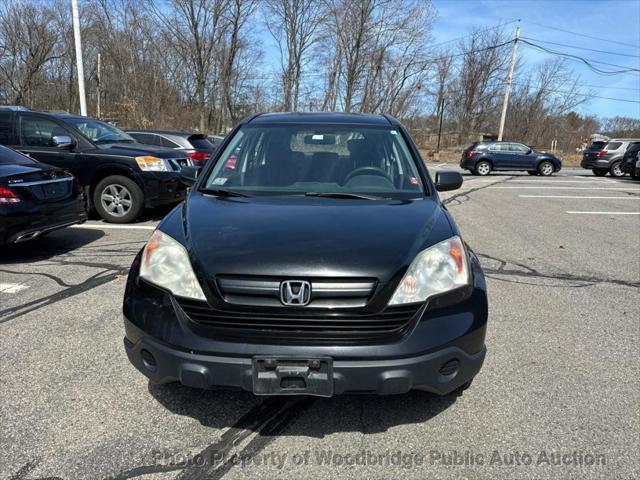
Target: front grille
point(302, 324)
point(325, 292)
point(177, 163)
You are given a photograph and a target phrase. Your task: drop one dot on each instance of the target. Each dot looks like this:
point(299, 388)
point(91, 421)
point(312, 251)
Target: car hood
point(139, 149)
point(298, 236)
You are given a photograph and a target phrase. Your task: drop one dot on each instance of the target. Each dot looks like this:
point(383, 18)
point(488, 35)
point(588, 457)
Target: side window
point(164, 142)
point(497, 147)
point(143, 138)
point(38, 132)
point(518, 147)
point(5, 128)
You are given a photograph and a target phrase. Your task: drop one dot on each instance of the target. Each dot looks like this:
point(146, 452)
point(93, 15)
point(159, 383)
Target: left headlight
point(165, 263)
point(435, 270)
point(152, 164)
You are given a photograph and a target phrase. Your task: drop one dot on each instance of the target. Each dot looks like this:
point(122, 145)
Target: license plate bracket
point(293, 376)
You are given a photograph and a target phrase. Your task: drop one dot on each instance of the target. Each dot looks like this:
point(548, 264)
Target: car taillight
point(231, 162)
point(602, 153)
point(7, 197)
point(199, 156)
point(470, 153)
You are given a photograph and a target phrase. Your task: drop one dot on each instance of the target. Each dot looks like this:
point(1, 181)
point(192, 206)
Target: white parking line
point(565, 181)
point(543, 187)
point(12, 287)
point(580, 196)
point(574, 212)
point(102, 226)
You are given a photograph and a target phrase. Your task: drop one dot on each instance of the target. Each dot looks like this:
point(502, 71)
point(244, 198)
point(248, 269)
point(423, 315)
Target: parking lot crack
point(462, 197)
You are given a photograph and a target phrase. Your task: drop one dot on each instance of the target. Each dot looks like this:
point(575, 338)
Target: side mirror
point(63, 141)
point(189, 175)
point(446, 181)
point(529, 151)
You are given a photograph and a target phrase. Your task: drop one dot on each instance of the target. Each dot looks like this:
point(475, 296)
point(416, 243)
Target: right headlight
point(165, 263)
point(437, 269)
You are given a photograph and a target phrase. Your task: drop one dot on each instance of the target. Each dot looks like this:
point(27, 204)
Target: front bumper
point(155, 325)
point(161, 188)
point(382, 376)
point(27, 221)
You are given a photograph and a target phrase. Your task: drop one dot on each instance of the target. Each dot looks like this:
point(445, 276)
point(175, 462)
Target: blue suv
point(481, 158)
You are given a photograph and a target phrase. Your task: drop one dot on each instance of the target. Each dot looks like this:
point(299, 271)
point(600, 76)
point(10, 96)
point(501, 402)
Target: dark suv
point(323, 263)
point(481, 158)
point(120, 177)
point(630, 159)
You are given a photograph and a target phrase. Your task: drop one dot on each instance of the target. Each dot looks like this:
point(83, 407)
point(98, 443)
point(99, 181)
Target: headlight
point(165, 263)
point(437, 269)
point(152, 164)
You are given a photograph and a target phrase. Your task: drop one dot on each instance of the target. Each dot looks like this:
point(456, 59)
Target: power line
point(583, 48)
point(476, 32)
point(586, 61)
point(583, 35)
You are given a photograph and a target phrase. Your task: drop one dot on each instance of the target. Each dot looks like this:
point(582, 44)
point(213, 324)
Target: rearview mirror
point(189, 175)
point(446, 181)
point(63, 141)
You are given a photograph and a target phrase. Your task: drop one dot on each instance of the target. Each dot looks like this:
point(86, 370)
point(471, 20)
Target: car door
point(522, 156)
point(497, 156)
point(509, 156)
point(35, 138)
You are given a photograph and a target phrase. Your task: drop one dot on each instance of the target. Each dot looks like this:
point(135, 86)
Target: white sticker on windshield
point(317, 136)
point(220, 181)
point(394, 132)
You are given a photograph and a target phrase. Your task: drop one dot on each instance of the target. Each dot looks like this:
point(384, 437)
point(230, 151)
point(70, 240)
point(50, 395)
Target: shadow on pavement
point(365, 413)
point(54, 243)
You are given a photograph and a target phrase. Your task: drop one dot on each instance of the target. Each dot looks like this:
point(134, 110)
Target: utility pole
point(78, 42)
point(98, 89)
point(507, 91)
point(440, 123)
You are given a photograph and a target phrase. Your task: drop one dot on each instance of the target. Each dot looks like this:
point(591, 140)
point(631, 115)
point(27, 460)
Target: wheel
point(545, 169)
point(599, 173)
point(532, 172)
point(616, 170)
point(483, 168)
point(118, 199)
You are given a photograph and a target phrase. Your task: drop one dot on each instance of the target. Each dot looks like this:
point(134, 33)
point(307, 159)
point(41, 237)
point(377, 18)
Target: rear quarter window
point(201, 143)
point(613, 145)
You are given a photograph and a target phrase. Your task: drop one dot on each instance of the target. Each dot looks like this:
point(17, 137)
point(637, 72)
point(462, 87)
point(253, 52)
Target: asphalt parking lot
point(557, 397)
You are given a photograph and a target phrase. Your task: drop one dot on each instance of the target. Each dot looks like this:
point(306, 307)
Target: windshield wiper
point(342, 195)
point(221, 192)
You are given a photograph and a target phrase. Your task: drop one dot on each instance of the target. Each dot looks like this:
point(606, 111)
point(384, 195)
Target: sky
point(615, 20)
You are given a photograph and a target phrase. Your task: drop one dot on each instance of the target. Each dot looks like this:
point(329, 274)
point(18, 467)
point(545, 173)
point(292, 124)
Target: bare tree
point(293, 25)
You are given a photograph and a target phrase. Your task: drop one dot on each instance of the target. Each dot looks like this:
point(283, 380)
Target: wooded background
point(205, 64)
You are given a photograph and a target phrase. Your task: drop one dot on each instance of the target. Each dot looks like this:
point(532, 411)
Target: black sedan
point(35, 198)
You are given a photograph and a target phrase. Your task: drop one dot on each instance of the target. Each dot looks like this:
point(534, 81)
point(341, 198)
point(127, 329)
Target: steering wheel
point(367, 171)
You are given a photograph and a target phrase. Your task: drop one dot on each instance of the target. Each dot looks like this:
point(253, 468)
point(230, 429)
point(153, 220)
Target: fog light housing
point(148, 360)
point(450, 368)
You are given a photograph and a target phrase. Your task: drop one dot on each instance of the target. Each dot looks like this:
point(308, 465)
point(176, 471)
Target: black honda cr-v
point(323, 263)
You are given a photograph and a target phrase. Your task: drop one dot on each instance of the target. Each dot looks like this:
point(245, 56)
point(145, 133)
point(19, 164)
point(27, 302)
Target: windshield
point(317, 159)
point(99, 132)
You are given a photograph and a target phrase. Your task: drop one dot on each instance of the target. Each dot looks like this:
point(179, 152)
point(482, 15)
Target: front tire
point(545, 169)
point(616, 170)
point(599, 173)
point(118, 199)
point(483, 168)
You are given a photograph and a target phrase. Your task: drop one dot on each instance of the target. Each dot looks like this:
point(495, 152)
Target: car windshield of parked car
point(310, 159)
point(8, 156)
point(100, 132)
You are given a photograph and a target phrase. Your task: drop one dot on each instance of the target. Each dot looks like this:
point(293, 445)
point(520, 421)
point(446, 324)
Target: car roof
point(184, 134)
point(323, 117)
point(624, 140)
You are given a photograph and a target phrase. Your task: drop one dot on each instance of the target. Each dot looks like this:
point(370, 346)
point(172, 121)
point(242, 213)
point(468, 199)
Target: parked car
point(608, 159)
point(35, 198)
point(195, 145)
point(481, 158)
point(636, 172)
point(215, 140)
point(324, 263)
point(120, 177)
point(629, 158)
